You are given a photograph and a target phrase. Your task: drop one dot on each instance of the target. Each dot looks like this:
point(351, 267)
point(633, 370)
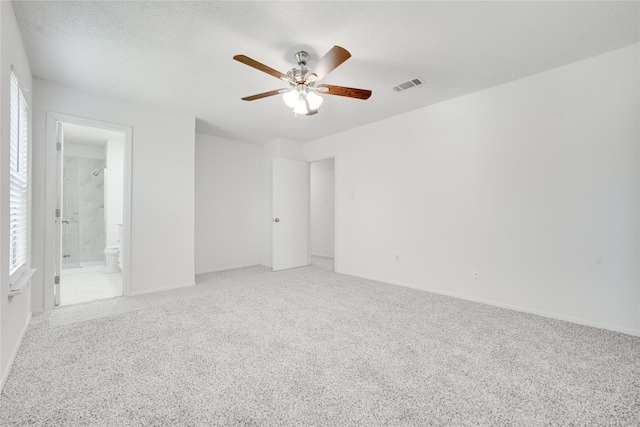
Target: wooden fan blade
point(349, 92)
point(261, 67)
point(336, 56)
point(265, 94)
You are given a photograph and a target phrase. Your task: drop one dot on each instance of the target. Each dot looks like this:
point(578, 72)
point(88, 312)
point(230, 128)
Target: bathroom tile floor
point(88, 284)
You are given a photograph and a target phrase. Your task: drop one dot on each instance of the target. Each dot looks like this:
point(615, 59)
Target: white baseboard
point(578, 321)
point(229, 267)
point(165, 288)
point(323, 256)
point(15, 352)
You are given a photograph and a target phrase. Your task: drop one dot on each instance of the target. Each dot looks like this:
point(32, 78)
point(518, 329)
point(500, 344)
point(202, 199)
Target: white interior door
point(290, 214)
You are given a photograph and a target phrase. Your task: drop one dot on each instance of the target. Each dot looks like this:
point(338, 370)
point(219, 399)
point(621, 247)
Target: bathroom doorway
point(91, 199)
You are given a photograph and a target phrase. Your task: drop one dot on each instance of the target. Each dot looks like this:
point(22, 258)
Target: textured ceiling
point(178, 55)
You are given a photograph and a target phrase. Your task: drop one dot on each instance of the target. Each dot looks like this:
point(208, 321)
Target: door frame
point(52, 203)
point(57, 235)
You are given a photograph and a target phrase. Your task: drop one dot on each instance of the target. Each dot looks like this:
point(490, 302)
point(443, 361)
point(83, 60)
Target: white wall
point(322, 201)
point(535, 182)
point(274, 149)
point(227, 201)
point(162, 224)
point(83, 150)
point(114, 184)
point(16, 312)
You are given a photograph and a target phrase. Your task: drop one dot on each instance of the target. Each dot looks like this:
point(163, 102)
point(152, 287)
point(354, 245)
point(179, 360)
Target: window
point(18, 176)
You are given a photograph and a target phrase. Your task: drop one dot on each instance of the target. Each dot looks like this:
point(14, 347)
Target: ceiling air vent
point(408, 84)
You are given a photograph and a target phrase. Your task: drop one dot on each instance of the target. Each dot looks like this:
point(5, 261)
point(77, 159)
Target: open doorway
point(91, 198)
point(322, 213)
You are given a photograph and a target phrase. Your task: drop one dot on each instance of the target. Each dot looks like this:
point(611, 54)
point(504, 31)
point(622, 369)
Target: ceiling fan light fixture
point(302, 96)
point(314, 101)
point(291, 98)
point(301, 107)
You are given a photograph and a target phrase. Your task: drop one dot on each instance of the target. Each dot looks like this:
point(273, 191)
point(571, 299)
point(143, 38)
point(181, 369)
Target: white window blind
point(18, 179)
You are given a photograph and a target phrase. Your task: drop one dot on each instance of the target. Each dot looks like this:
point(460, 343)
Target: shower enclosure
point(82, 212)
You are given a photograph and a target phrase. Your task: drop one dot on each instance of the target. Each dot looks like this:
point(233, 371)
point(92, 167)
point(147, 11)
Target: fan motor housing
point(298, 74)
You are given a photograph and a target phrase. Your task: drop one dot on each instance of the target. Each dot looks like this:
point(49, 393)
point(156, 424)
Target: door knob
point(276, 220)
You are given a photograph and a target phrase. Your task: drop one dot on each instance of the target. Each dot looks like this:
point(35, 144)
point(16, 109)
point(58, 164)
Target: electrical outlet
point(397, 258)
point(476, 274)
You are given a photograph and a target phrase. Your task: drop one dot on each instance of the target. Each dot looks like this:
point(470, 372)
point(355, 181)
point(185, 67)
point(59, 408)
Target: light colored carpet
point(312, 347)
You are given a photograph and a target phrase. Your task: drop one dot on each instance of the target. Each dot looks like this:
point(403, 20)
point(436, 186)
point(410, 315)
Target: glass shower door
point(70, 215)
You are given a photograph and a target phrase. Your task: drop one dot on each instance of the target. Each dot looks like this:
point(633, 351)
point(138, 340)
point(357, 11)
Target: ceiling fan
point(302, 95)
